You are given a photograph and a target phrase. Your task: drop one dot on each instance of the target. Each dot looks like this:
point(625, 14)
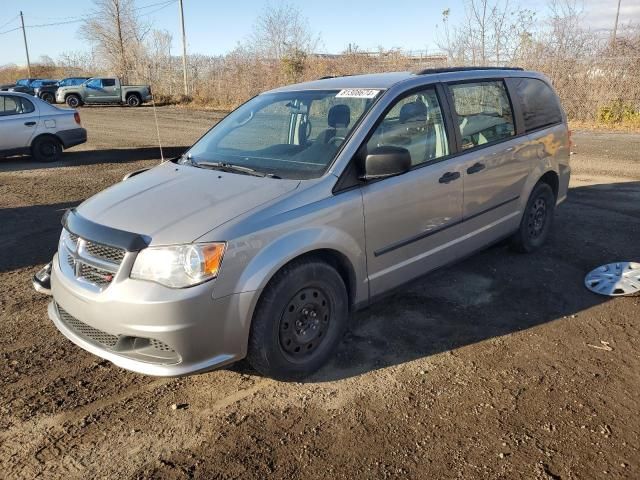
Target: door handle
point(449, 177)
point(29, 124)
point(475, 168)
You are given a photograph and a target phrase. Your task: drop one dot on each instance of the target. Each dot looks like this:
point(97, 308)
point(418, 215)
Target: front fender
point(270, 259)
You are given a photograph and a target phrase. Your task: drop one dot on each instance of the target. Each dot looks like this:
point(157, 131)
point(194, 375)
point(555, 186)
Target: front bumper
point(155, 330)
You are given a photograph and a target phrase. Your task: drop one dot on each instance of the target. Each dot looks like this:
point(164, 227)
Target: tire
point(73, 101)
point(46, 149)
point(537, 220)
point(299, 320)
point(48, 97)
point(133, 100)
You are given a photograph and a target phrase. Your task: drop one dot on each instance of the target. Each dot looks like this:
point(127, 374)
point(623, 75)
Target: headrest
point(339, 116)
point(412, 112)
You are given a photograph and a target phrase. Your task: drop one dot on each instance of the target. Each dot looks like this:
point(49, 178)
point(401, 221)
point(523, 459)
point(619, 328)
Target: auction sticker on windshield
point(357, 93)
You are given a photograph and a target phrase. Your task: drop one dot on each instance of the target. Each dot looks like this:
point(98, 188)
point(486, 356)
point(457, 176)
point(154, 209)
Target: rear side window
point(15, 105)
point(108, 82)
point(484, 112)
point(539, 104)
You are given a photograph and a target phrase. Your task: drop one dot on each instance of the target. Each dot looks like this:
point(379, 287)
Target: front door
point(407, 217)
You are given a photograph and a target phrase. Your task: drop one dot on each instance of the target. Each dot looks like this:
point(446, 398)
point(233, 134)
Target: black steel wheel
point(304, 322)
point(299, 320)
point(46, 149)
point(537, 220)
point(48, 97)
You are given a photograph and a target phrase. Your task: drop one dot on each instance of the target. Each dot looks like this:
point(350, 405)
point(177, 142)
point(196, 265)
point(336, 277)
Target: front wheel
point(73, 101)
point(537, 220)
point(298, 321)
point(48, 97)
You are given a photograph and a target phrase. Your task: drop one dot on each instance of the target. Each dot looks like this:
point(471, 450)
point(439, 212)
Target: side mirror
point(386, 161)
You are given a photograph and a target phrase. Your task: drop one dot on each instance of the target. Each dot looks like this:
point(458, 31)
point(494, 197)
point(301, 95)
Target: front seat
point(413, 118)
point(338, 118)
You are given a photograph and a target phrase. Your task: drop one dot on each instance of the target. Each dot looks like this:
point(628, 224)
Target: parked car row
point(76, 91)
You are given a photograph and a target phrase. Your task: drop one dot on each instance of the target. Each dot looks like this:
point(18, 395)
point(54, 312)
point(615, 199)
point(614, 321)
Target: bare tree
point(281, 31)
point(490, 33)
point(116, 33)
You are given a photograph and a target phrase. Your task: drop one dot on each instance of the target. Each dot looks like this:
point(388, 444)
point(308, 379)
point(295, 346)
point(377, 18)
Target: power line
point(88, 17)
point(7, 23)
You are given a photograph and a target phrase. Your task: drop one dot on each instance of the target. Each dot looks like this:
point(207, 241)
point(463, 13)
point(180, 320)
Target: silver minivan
point(306, 203)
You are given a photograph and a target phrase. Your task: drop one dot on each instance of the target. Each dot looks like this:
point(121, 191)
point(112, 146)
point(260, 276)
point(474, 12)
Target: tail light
point(76, 117)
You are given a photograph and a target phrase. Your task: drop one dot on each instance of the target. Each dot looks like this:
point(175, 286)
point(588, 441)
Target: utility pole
point(26, 48)
point(615, 25)
point(184, 50)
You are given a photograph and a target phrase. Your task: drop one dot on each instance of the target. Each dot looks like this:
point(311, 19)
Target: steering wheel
point(336, 139)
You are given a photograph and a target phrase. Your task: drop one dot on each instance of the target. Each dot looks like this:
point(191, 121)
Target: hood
point(177, 203)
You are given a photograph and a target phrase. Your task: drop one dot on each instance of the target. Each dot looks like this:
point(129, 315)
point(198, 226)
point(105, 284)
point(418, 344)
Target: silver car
point(29, 125)
point(306, 203)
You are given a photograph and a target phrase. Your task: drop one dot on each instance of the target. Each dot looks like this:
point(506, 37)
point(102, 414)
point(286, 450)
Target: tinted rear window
point(108, 82)
point(539, 104)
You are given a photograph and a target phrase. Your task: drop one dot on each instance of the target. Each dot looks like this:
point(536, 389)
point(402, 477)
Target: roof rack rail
point(427, 71)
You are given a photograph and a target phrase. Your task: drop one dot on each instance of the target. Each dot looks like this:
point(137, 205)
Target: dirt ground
point(491, 368)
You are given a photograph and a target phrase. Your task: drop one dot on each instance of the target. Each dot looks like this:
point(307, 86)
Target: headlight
point(179, 266)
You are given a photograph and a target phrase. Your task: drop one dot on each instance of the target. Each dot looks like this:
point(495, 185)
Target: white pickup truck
point(103, 90)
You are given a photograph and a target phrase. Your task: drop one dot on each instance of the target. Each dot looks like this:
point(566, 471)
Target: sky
point(216, 26)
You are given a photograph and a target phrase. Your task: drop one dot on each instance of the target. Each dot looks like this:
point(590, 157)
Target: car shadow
point(497, 292)
point(90, 157)
point(32, 235)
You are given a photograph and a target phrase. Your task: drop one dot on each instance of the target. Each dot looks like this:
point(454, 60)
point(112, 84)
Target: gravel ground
point(491, 368)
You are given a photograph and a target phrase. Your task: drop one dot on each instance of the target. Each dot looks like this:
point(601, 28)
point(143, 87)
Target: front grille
point(158, 345)
point(95, 264)
point(89, 333)
point(94, 275)
point(104, 252)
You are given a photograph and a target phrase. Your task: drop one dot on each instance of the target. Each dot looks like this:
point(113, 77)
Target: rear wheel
point(133, 101)
point(46, 149)
point(48, 97)
point(537, 220)
point(299, 320)
point(73, 101)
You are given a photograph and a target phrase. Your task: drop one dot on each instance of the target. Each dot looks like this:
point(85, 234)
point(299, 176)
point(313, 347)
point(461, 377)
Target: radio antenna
point(155, 115)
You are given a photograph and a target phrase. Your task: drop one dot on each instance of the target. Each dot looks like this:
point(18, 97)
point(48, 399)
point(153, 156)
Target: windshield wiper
point(229, 167)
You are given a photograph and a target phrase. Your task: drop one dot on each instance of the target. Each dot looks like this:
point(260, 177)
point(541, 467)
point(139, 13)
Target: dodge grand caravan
point(301, 206)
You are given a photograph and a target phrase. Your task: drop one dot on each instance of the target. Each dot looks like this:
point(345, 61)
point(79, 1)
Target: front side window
point(415, 123)
point(287, 134)
point(484, 112)
point(95, 84)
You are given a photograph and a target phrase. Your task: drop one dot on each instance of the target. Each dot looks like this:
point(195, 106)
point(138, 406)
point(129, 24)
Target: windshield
point(289, 134)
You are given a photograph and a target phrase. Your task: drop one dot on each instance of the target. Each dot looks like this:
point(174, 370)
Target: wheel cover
point(537, 217)
point(614, 279)
point(72, 101)
point(304, 323)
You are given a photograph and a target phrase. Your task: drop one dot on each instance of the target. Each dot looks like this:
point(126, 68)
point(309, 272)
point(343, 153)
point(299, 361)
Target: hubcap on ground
point(304, 322)
point(537, 217)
